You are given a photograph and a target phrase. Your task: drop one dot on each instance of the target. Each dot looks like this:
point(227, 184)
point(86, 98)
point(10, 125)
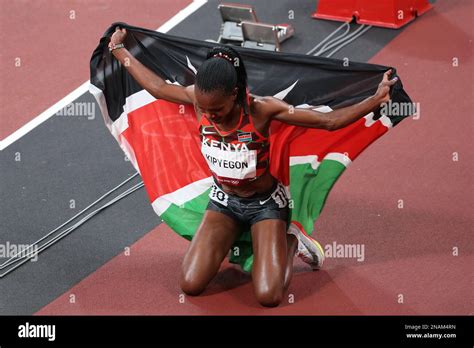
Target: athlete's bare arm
point(146, 78)
point(277, 109)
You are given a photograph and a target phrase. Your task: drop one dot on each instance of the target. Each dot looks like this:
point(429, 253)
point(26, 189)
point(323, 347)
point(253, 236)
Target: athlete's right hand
point(118, 36)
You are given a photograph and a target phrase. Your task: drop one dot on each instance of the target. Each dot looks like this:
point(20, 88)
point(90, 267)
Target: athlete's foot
point(309, 250)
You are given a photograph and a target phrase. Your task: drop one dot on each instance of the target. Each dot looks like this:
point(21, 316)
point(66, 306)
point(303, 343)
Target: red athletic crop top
point(237, 156)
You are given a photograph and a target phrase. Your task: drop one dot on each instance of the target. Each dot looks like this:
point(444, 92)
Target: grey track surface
point(75, 158)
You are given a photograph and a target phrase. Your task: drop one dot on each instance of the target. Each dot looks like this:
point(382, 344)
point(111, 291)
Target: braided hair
point(224, 70)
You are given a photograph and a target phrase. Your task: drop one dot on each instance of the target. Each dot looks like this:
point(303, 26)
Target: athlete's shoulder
point(264, 106)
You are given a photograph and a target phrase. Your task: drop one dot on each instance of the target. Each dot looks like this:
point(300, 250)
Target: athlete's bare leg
point(270, 261)
point(211, 243)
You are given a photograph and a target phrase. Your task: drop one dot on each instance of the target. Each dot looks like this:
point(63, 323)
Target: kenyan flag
point(162, 139)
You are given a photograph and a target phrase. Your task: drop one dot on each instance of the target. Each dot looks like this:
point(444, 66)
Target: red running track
point(55, 50)
point(408, 251)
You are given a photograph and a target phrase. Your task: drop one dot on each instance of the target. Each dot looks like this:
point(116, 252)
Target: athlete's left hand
point(383, 92)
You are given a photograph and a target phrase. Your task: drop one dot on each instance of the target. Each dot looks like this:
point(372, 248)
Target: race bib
point(228, 163)
point(216, 194)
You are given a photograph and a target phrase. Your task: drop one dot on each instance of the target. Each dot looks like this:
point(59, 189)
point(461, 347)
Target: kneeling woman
point(234, 130)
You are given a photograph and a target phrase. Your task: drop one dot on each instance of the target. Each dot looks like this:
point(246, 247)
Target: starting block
point(240, 26)
point(382, 13)
point(265, 36)
point(232, 15)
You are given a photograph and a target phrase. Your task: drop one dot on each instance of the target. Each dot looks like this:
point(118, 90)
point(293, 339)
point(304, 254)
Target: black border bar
point(241, 330)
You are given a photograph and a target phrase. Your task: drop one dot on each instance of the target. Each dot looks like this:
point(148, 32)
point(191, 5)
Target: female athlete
point(234, 127)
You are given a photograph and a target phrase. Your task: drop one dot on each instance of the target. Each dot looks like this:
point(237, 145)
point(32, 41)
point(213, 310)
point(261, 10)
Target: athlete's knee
point(269, 296)
point(196, 273)
point(268, 284)
point(191, 284)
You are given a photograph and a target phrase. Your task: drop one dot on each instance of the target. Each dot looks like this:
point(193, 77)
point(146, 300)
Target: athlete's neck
point(232, 119)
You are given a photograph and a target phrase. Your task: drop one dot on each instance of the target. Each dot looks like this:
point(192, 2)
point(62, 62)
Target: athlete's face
point(216, 105)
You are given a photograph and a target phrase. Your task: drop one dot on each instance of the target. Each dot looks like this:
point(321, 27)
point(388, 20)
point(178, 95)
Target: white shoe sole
point(310, 245)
